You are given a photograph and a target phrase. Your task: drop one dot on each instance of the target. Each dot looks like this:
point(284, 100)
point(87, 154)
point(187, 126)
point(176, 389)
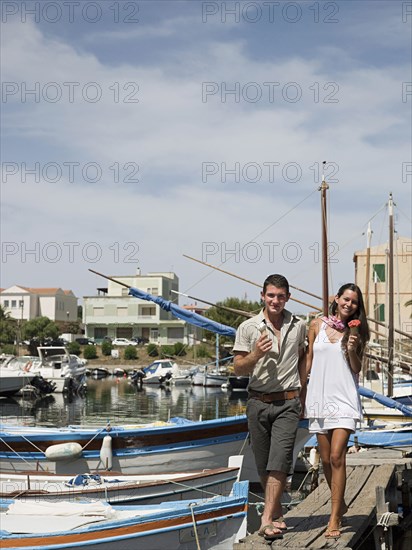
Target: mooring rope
point(15, 452)
point(191, 506)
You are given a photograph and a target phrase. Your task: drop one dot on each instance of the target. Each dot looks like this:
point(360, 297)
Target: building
point(115, 314)
point(26, 303)
point(377, 298)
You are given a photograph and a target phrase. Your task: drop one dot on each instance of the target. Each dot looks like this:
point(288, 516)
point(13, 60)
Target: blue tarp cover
point(184, 314)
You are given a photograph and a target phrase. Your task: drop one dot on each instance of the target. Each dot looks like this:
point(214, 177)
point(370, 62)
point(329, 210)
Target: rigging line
point(403, 214)
point(256, 236)
point(376, 213)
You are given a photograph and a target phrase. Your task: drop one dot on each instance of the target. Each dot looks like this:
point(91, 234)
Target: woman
point(332, 404)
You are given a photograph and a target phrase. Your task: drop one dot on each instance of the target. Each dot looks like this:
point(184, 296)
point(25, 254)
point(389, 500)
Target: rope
point(191, 506)
point(31, 443)
point(96, 434)
point(385, 519)
point(15, 452)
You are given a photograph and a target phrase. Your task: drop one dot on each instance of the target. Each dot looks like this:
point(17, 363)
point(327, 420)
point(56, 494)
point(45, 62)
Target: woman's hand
point(353, 342)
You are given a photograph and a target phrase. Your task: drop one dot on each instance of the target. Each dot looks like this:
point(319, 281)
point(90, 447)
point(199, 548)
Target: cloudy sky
point(136, 132)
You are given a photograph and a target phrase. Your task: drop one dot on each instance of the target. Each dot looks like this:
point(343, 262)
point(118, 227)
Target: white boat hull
point(214, 523)
point(12, 381)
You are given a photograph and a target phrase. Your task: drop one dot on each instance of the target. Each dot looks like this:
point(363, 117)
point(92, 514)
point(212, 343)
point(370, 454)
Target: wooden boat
point(177, 446)
point(217, 522)
point(118, 489)
point(384, 436)
point(209, 378)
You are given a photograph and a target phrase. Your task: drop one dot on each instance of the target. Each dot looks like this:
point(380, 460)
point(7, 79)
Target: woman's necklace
point(334, 322)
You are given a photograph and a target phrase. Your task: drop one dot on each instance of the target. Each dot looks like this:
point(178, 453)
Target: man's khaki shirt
point(276, 370)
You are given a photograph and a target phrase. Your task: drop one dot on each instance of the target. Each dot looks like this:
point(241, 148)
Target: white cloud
point(170, 133)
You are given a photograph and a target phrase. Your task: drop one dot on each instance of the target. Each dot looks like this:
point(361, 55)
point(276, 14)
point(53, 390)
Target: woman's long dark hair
point(360, 314)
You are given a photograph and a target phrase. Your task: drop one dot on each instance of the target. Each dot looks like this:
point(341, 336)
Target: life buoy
point(28, 366)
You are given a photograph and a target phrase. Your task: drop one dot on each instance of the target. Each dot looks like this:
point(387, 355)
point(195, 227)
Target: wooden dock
point(307, 521)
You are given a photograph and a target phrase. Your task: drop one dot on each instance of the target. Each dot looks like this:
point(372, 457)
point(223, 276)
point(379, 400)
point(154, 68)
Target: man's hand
point(263, 345)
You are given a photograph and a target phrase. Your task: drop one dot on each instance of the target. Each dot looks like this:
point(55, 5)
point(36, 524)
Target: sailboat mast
point(368, 267)
point(390, 300)
point(325, 284)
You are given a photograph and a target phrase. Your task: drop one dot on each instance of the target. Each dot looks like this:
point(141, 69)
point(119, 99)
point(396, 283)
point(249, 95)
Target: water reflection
point(120, 402)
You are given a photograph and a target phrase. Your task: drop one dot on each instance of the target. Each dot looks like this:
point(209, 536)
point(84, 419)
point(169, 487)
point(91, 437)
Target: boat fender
point(314, 458)
point(106, 455)
point(28, 366)
point(63, 451)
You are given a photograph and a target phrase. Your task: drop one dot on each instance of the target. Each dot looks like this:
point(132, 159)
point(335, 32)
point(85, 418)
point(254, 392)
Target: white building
point(115, 314)
point(378, 281)
point(25, 303)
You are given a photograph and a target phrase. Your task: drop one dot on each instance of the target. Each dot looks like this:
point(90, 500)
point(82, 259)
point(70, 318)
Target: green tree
point(230, 318)
point(90, 352)
point(39, 331)
point(152, 350)
point(179, 349)
point(75, 348)
point(407, 304)
point(107, 348)
point(8, 327)
point(130, 353)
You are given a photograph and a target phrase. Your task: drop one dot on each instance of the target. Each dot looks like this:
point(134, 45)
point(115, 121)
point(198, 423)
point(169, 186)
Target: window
point(124, 332)
point(380, 312)
point(100, 332)
point(174, 334)
point(6, 303)
point(13, 303)
point(21, 303)
point(148, 311)
point(153, 291)
point(154, 334)
point(378, 273)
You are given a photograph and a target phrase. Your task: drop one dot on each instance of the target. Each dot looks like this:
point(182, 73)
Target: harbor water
point(118, 401)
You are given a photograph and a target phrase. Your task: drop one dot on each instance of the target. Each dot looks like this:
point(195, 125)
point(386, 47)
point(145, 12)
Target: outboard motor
point(43, 386)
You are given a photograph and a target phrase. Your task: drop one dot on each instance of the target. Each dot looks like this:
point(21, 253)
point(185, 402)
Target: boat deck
point(307, 521)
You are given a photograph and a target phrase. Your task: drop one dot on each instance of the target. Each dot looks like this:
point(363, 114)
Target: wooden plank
point(309, 530)
point(362, 510)
point(307, 521)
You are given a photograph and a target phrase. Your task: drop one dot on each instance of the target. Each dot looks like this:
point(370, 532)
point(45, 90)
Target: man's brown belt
point(274, 396)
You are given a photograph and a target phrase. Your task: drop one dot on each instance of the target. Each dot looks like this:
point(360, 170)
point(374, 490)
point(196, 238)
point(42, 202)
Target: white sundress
point(332, 399)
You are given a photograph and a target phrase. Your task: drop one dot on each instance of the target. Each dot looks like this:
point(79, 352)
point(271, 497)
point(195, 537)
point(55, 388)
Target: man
point(270, 347)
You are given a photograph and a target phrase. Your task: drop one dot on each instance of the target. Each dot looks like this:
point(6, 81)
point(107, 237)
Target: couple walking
point(271, 349)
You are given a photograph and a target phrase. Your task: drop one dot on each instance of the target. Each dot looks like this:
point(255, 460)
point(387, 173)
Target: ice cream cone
point(353, 331)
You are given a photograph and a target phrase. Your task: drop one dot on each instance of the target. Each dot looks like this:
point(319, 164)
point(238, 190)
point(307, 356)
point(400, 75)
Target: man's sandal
point(274, 535)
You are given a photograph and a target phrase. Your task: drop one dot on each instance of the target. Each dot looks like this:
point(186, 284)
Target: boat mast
point(390, 299)
point(325, 285)
point(368, 262)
